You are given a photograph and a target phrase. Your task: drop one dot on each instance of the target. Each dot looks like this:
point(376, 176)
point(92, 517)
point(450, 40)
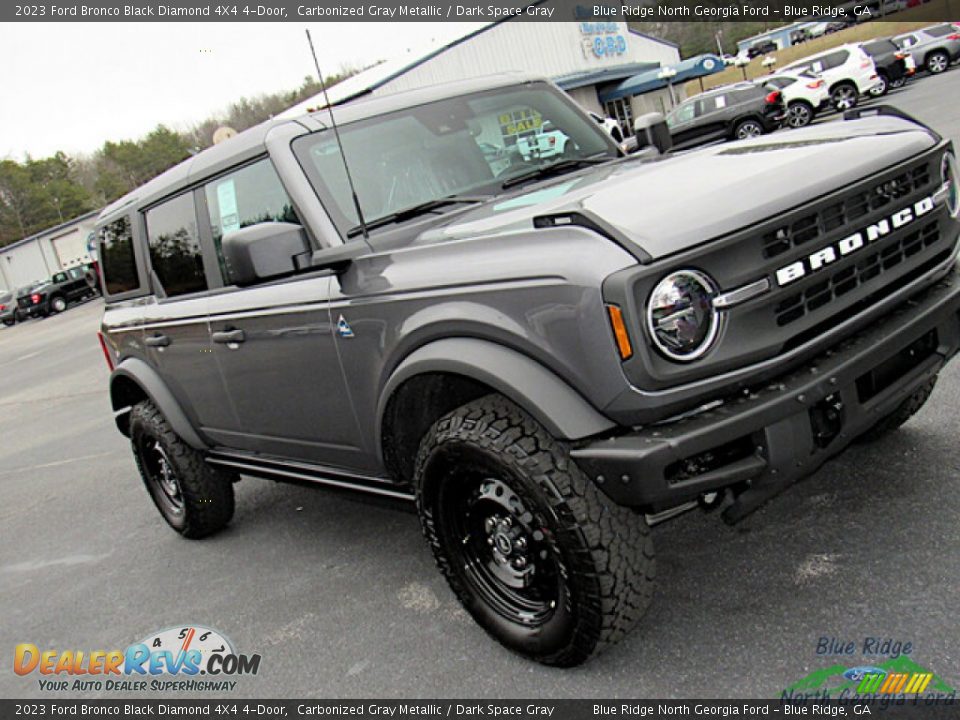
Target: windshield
point(465, 146)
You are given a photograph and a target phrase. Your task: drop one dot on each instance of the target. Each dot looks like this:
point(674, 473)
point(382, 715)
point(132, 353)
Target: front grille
point(840, 283)
point(850, 209)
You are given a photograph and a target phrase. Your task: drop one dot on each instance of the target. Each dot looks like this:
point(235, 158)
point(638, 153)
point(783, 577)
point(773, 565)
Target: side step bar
point(299, 472)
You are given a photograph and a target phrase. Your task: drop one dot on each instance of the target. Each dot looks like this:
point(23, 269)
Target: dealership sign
point(602, 40)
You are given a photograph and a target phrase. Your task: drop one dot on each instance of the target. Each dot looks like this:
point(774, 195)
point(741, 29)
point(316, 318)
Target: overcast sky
point(70, 86)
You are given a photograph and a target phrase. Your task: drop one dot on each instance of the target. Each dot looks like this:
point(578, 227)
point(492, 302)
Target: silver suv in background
point(933, 48)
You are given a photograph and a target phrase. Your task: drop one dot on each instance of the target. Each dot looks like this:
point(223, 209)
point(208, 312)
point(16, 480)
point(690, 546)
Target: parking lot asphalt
point(340, 597)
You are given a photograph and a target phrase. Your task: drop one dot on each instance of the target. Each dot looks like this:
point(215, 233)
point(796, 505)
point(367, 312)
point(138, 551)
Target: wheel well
point(413, 408)
point(125, 393)
point(800, 101)
point(840, 83)
point(935, 51)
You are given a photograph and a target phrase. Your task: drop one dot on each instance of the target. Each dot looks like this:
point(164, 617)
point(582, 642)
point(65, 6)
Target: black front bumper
point(764, 439)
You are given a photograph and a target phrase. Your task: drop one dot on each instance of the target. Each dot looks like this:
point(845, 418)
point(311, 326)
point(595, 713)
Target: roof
point(251, 143)
point(52, 230)
point(745, 42)
point(647, 81)
point(608, 74)
point(366, 81)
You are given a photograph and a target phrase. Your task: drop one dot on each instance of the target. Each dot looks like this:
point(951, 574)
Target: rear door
point(176, 330)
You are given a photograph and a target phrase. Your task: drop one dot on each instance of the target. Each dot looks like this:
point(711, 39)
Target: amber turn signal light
point(620, 332)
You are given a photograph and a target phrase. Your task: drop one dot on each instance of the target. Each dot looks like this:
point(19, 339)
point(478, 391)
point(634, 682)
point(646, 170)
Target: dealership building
point(607, 67)
point(39, 256)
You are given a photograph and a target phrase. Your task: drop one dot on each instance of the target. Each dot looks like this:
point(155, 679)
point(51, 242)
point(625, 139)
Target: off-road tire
point(206, 492)
point(605, 551)
point(907, 409)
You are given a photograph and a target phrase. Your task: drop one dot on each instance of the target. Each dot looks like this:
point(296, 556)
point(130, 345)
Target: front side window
point(249, 196)
point(117, 261)
point(175, 252)
point(461, 146)
point(682, 114)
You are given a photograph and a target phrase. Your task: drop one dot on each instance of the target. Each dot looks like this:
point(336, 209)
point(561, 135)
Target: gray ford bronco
point(547, 351)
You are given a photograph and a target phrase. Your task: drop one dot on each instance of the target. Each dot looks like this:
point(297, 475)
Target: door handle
point(229, 336)
point(157, 341)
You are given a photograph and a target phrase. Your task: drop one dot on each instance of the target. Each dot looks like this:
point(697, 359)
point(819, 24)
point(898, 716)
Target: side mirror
point(264, 251)
point(651, 131)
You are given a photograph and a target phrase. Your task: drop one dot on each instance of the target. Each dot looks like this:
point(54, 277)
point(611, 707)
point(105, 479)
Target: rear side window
point(251, 195)
point(942, 31)
point(175, 252)
point(880, 47)
point(117, 261)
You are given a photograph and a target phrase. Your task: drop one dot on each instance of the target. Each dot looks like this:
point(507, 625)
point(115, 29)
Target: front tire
point(906, 410)
point(540, 558)
point(937, 62)
point(9, 323)
point(194, 498)
point(881, 88)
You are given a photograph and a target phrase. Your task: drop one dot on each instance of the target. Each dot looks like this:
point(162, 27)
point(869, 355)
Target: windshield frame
point(491, 188)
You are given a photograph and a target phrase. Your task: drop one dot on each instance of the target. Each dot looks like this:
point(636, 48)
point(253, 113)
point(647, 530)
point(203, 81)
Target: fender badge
point(343, 328)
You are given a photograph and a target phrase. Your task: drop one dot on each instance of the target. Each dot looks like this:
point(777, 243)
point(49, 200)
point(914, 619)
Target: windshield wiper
point(557, 168)
point(415, 210)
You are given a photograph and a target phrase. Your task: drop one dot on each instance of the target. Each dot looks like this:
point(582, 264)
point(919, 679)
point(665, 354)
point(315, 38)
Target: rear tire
point(747, 129)
point(58, 304)
point(799, 114)
point(907, 409)
point(937, 62)
point(542, 560)
point(844, 96)
point(10, 322)
point(194, 498)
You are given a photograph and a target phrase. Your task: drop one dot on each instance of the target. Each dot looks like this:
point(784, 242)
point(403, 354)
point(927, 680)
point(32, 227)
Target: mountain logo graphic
point(897, 676)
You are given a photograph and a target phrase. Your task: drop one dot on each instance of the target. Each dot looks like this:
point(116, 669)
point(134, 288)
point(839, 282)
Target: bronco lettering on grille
point(852, 243)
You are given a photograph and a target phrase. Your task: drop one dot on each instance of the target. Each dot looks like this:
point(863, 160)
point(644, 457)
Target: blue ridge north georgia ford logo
point(852, 243)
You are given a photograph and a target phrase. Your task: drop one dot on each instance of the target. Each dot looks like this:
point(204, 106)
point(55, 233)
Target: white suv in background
point(848, 71)
point(804, 93)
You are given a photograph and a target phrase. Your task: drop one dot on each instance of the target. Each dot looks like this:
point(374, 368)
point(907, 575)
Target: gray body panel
point(478, 292)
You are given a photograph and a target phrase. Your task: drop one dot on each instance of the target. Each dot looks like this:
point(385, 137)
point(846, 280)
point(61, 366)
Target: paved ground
point(341, 597)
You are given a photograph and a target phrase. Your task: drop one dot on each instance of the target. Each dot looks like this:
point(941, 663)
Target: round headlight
point(951, 178)
point(681, 318)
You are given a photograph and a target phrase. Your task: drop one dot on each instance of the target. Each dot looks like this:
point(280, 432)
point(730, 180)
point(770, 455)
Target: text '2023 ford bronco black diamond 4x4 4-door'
point(547, 354)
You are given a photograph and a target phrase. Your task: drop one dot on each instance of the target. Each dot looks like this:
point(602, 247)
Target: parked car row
point(42, 298)
point(836, 79)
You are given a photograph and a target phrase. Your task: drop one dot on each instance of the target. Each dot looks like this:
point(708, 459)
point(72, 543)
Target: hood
point(682, 200)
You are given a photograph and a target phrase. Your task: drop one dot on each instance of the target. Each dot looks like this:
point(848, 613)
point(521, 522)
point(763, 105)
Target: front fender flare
point(152, 384)
point(557, 406)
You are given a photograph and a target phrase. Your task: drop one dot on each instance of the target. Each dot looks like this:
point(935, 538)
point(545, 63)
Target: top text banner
point(774, 12)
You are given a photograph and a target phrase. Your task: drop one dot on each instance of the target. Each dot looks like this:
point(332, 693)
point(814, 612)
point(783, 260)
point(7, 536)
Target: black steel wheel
point(540, 558)
point(194, 498)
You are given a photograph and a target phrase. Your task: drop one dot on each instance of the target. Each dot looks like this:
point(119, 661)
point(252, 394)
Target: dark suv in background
point(891, 64)
point(731, 112)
